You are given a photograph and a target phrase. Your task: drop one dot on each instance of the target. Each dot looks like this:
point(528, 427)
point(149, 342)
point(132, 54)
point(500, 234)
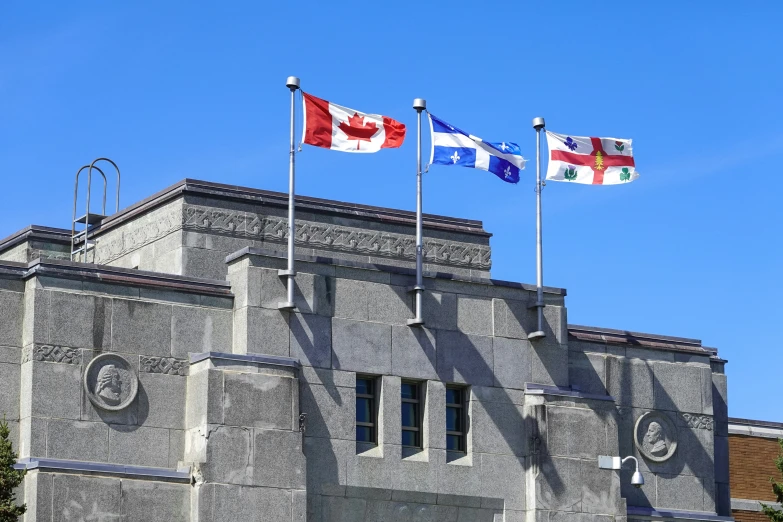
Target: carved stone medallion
point(110, 382)
point(655, 435)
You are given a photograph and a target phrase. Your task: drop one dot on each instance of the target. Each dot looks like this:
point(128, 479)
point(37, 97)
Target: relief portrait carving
point(110, 382)
point(655, 436)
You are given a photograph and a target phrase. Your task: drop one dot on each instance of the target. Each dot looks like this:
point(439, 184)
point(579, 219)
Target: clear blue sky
point(197, 89)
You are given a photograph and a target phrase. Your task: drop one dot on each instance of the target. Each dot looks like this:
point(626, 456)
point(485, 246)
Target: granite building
point(161, 381)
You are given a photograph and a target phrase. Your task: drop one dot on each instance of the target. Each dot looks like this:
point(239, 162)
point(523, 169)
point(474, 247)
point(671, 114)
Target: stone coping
point(742, 504)
point(266, 252)
point(653, 513)
point(645, 340)
point(545, 389)
point(126, 276)
point(280, 199)
point(246, 358)
point(750, 428)
point(12, 269)
point(97, 468)
point(759, 423)
point(57, 235)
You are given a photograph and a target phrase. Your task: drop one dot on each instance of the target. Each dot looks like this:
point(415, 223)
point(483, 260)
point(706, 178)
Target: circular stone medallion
point(655, 435)
point(110, 382)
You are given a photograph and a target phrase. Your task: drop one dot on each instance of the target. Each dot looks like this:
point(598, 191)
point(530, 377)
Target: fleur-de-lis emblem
point(507, 172)
point(571, 144)
point(455, 157)
point(503, 146)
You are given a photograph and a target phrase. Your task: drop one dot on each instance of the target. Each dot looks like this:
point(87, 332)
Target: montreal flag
point(339, 128)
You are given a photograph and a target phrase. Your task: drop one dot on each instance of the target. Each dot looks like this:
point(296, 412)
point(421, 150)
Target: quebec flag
point(452, 146)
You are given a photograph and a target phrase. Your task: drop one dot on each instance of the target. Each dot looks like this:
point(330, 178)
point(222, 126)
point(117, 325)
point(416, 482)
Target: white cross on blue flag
point(452, 146)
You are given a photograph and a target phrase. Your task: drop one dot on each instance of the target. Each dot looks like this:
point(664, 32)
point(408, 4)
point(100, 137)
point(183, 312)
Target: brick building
point(753, 446)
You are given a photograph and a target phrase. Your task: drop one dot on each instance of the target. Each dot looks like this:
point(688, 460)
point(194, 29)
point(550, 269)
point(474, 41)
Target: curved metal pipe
point(75, 200)
point(92, 165)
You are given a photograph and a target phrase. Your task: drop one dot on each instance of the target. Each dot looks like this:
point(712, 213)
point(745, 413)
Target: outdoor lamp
point(605, 462)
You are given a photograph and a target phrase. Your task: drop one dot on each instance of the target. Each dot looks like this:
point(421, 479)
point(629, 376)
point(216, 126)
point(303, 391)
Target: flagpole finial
point(419, 104)
point(538, 123)
point(292, 82)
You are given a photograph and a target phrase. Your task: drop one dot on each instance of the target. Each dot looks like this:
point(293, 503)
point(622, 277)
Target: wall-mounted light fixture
point(605, 462)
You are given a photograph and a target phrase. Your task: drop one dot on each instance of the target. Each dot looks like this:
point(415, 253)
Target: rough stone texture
point(361, 346)
point(587, 371)
point(414, 353)
point(389, 304)
point(261, 330)
point(77, 440)
point(311, 339)
point(9, 390)
point(141, 327)
point(77, 497)
point(198, 330)
point(677, 387)
point(474, 316)
point(11, 318)
point(278, 460)
point(139, 446)
point(331, 411)
point(630, 382)
point(246, 503)
point(51, 390)
point(512, 360)
point(79, 321)
point(262, 401)
point(465, 358)
point(144, 501)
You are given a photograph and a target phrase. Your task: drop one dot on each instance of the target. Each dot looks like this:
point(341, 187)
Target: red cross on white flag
point(592, 161)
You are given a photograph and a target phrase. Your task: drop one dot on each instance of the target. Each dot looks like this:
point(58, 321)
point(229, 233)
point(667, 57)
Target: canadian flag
point(339, 128)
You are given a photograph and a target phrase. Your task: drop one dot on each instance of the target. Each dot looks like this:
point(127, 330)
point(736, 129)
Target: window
point(365, 410)
point(455, 418)
point(411, 414)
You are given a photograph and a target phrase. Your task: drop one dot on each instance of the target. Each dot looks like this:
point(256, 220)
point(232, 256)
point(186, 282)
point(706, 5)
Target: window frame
point(373, 399)
point(418, 402)
point(462, 434)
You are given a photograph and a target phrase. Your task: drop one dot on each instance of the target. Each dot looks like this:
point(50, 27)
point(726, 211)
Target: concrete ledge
point(645, 340)
point(95, 468)
point(755, 428)
point(39, 233)
point(672, 514)
point(388, 268)
point(741, 504)
point(126, 276)
point(258, 359)
point(544, 389)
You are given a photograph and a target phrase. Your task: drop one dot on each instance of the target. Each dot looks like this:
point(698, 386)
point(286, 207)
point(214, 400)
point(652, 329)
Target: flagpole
point(419, 105)
point(292, 82)
point(538, 124)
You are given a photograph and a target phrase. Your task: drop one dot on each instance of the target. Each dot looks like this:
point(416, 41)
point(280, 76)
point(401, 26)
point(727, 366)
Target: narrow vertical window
point(365, 410)
point(411, 414)
point(455, 419)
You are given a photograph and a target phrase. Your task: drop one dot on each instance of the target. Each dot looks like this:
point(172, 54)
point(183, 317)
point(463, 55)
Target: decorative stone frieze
point(164, 365)
point(703, 422)
point(51, 353)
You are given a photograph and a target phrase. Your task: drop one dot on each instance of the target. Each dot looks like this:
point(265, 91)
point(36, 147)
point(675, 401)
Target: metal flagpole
point(419, 105)
point(538, 124)
point(293, 84)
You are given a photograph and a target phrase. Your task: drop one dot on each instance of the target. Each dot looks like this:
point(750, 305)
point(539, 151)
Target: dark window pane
point(363, 410)
point(363, 434)
point(453, 419)
point(453, 443)
point(453, 396)
point(409, 415)
point(364, 386)
point(409, 391)
point(409, 438)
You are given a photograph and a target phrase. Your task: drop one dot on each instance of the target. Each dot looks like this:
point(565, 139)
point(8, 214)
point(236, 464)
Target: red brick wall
point(749, 516)
point(751, 464)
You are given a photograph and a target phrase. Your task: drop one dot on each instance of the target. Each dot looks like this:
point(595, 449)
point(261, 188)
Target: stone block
point(246, 503)
point(9, 354)
point(298, 505)
point(267, 332)
point(79, 321)
point(226, 453)
point(314, 294)
point(145, 501)
point(169, 296)
point(439, 310)
point(575, 432)
point(361, 346)
point(512, 318)
point(474, 315)
point(389, 304)
point(677, 387)
point(199, 330)
point(503, 477)
point(38, 497)
point(258, 400)
point(434, 425)
point(11, 318)
point(54, 390)
point(706, 390)
point(208, 264)
point(141, 327)
point(162, 403)
point(467, 514)
point(32, 437)
point(204, 402)
point(630, 382)
point(339, 509)
point(722, 499)
point(459, 480)
point(327, 377)
point(586, 347)
point(370, 471)
point(139, 446)
point(587, 371)
point(311, 339)
point(414, 353)
point(35, 324)
point(498, 427)
point(389, 413)
point(512, 361)
point(176, 448)
point(559, 484)
point(351, 300)
point(720, 403)
point(77, 440)
point(10, 381)
point(683, 492)
point(327, 461)
point(722, 459)
point(634, 352)
point(331, 411)
point(77, 497)
point(600, 489)
point(465, 358)
point(415, 481)
point(549, 363)
point(278, 460)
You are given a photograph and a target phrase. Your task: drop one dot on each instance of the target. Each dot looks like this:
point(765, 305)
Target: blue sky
point(197, 89)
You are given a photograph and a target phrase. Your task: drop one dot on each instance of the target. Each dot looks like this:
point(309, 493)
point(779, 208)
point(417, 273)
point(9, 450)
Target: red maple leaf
point(356, 129)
